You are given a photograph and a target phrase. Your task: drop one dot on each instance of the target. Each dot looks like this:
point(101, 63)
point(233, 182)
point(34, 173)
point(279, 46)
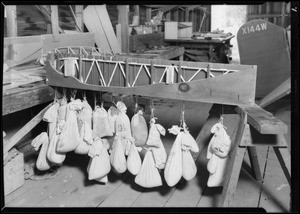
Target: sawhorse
point(256, 127)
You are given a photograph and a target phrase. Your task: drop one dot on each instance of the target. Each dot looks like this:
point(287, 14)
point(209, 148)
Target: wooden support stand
point(256, 127)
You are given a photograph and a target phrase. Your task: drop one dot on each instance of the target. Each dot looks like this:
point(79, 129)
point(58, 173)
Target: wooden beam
point(23, 131)
point(123, 19)
point(23, 98)
point(148, 14)
point(54, 22)
point(234, 164)
point(79, 16)
point(187, 14)
point(263, 121)
point(279, 92)
point(11, 20)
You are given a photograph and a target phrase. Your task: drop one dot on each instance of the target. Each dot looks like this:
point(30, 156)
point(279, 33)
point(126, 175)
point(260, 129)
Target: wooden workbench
point(218, 46)
point(24, 87)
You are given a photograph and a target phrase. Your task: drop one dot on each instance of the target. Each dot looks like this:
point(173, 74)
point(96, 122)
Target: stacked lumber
point(97, 21)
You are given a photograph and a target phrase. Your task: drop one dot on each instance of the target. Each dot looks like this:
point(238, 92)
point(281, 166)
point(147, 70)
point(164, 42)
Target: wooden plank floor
point(70, 188)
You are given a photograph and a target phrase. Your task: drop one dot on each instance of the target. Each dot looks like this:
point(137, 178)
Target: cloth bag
point(99, 164)
point(217, 153)
point(101, 125)
point(173, 168)
point(51, 116)
point(42, 162)
point(154, 140)
point(139, 128)
point(148, 176)
point(69, 137)
point(117, 157)
point(134, 161)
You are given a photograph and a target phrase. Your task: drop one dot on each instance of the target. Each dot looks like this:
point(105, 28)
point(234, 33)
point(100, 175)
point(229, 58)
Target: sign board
point(265, 44)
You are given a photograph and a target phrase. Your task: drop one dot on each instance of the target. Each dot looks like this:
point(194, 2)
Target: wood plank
point(78, 39)
point(283, 89)
point(263, 121)
point(94, 26)
point(123, 11)
point(54, 22)
point(22, 98)
point(211, 196)
point(276, 193)
point(235, 159)
point(79, 16)
point(27, 128)
point(11, 20)
point(203, 90)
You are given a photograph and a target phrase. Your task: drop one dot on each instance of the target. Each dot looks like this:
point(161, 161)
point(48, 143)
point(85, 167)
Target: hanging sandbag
point(188, 144)
point(123, 127)
point(189, 169)
point(117, 157)
point(85, 115)
point(112, 115)
point(139, 128)
point(50, 116)
point(173, 168)
point(62, 113)
point(101, 125)
point(134, 161)
point(188, 141)
point(86, 139)
point(53, 155)
point(148, 176)
point(69, 138)
point(217, 153)
point(42, 162)
point(158, 149)
point(99, 164)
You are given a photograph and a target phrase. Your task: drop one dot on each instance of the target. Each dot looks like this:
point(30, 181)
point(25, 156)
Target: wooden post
point(11, 20)
point(176, 15)
point(282, 24)
point(123, 11)
point(54, 22)
point(192, 20)
point(234, 164)
point(148, 14)
point(187, 14)
point(79, 16)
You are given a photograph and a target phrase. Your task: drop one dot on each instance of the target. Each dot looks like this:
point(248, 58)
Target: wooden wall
point(275, 12)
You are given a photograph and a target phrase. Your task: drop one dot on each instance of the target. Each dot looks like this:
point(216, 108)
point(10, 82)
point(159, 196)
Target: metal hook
point(95, 100)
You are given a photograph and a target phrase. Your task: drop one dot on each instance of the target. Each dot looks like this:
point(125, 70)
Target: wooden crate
point(13, 171)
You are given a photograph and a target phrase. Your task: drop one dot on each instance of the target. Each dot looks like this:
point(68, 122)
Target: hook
point(182, 120)
point(84, 95)
point(95, 100)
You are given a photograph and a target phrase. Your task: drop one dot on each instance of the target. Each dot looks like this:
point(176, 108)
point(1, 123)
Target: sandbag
point(148, 176)
point(42, 162)
point(188, 141)
point(158, 149)
point(173, 168)
point(69, 138)
point(52, 154)
point(217, 152)
point(134, 161)
point(101, 125)
point(123, 128)
point(85, 115)
point(62, 113)
point(99, 164)
point(112, 115)
point(117, 157)
point(139, 128)
point(51, 116)
point(86, 139)
point(189, 169)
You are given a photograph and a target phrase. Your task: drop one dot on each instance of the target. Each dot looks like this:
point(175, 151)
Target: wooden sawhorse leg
point(246, 138)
